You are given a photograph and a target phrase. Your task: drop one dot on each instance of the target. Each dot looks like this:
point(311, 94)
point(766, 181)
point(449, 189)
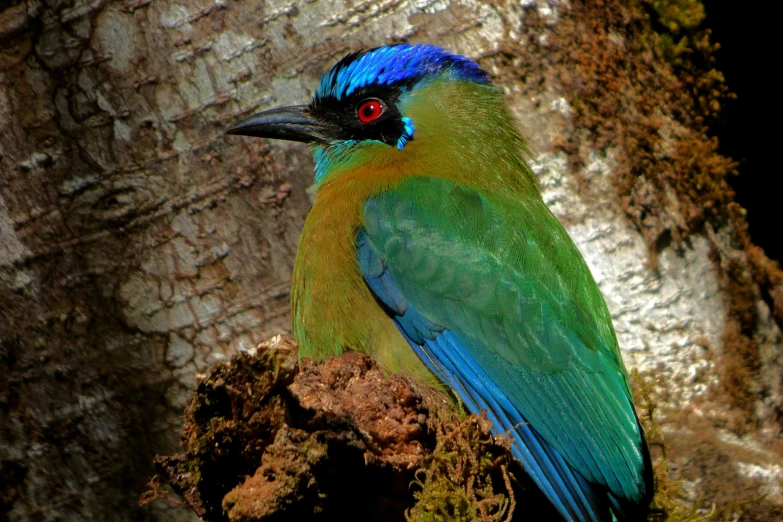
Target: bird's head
point(414, 108)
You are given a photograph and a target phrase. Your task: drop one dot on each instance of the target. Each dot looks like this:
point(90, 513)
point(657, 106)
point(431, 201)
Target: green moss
point(678, 15)
point(465, 478)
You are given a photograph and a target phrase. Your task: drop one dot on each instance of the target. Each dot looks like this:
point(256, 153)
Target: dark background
point(747, 128)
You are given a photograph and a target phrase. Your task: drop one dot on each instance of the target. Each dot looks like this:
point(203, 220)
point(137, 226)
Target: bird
point(429, 247)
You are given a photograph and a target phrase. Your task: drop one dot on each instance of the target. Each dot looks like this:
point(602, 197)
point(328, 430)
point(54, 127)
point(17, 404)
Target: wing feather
point(497, 301)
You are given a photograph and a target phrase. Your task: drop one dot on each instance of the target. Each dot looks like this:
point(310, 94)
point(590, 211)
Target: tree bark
point(138, 244)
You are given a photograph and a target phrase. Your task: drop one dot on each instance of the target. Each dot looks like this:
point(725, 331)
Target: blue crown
point(395, 64)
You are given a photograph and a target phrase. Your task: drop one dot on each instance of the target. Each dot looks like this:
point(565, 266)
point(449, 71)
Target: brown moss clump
point(268, 438)
point(740, 363)
point(647, 94)
point(234, 417)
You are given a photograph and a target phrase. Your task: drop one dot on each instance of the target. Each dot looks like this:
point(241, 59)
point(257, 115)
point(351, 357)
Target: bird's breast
point(333, 309)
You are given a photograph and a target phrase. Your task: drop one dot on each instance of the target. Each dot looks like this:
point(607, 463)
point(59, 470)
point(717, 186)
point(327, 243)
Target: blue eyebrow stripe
point(390, 65)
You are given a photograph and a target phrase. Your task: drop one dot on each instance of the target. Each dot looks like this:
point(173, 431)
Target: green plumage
point(503, 271)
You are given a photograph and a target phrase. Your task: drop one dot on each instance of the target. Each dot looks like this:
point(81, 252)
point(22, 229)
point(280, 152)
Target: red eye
point(369, 110)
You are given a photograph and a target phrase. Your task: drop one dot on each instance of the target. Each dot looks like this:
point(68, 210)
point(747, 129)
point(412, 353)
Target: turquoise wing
point(495, 298)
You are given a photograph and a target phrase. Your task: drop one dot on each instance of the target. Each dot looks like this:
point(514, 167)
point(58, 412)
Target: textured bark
point(138, 244)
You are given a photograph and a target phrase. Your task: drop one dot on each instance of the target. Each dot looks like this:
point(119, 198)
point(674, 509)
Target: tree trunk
point(139, 244)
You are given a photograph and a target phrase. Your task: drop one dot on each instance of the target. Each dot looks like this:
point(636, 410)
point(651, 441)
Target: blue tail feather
point(569, 492)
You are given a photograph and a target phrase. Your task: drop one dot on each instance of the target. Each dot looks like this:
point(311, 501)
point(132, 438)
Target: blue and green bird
point(429, 248)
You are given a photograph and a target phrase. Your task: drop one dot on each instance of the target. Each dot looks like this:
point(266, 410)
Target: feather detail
point(519, 354)
point(394, 64)
point(407, 134)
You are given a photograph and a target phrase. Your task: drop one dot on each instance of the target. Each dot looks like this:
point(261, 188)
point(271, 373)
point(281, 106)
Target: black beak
point(294, 123)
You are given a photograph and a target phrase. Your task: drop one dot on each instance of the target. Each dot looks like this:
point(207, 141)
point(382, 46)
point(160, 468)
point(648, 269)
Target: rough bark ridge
point(138, 245)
